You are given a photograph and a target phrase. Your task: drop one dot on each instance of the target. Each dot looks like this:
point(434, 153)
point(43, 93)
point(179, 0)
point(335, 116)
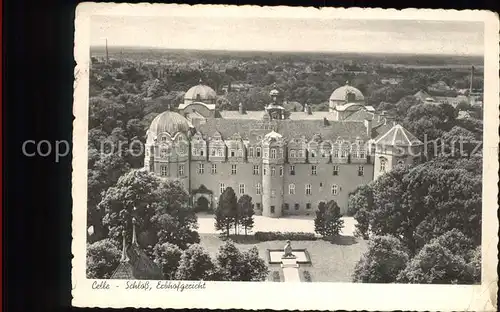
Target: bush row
point(269, 236)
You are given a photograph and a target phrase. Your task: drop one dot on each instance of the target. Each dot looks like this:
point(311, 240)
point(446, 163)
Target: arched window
point(383, 164)
point(273, 153)
point(258, 152)
point(250, 152)
point(292, 153)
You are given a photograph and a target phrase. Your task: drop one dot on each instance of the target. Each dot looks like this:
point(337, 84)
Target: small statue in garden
point(288, 251)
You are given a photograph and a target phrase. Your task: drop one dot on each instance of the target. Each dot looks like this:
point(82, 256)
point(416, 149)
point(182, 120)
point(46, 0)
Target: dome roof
point(200, 93)
point(170, 122)
point(340, 94)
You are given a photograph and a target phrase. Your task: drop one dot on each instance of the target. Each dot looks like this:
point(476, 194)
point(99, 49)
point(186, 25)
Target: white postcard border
point(289, 296)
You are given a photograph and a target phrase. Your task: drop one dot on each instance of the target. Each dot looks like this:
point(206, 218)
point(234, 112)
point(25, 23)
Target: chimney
point(241, 108)
point(368, 125)
point(107, 55)
point(471, 79)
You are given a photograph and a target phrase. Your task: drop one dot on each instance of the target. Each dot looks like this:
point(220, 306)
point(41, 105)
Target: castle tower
point(272, 175)
point(394, 148)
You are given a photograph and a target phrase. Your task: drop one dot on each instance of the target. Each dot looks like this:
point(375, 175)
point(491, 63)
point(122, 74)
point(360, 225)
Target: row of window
point(256, 170)
point(220, 152)
point(291, 189)
point(286, 206)
point(165, 171)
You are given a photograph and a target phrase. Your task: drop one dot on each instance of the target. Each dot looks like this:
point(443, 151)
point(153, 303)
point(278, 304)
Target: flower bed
point(293, 236)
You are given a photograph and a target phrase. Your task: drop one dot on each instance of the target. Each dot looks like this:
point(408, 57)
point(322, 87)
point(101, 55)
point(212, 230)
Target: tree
point(102, 259)
point(436, 264)
point(245, 208)
point(161, 210)
point(225, 212)
point(167, 256)
point(234, 265)
point(359, 204)
point(195, 264)
point(328, 220)
point(385, 258)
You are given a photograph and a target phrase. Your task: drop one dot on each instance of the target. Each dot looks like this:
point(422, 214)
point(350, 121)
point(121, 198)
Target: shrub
point(383, 261)
point(276, 276)
point(102, 259)
point(293, 236)
point(307, 276)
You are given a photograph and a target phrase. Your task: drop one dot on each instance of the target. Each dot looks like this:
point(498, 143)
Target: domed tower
point(394, 148)
point(167, 147)
point(275, 110)
point(273, 147)
point(200, 93)
point(345, 95)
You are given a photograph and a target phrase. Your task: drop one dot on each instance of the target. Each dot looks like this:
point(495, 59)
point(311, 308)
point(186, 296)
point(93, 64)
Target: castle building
point(286, 161)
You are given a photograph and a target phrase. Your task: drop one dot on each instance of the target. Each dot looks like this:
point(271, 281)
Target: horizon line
point(283, 51)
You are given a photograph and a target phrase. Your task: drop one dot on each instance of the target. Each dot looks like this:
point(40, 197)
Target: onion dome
point(169, 122)
point(200, 93)
point(347, 92)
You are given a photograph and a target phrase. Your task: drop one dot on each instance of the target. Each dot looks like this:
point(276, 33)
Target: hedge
point(276, 276)
point(293, 236)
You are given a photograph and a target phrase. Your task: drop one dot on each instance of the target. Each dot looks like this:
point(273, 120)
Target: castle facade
point(286, 161)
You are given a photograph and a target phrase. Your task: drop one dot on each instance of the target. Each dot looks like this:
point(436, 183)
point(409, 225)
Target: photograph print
point(277, 149)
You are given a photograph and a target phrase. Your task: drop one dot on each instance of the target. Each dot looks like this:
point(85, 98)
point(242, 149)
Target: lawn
point(331, 262)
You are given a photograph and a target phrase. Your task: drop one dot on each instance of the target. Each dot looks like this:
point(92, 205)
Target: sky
point(282, 34)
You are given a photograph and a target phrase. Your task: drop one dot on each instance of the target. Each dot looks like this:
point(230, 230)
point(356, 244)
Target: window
point(281, 171)
point(250, 152)
point(308, 206)
point(164, 139)
point(291, 189)
point(336, 153)
point(308, 189)
point(273, 153)
point(273, 193)
point(344, 153)
point(163, 153)
point(201, 168)
point(220, 153)
point(242, 188)
point(281, 153)
point(257, 205)
point(195, 152)
point(286, 206)
point(273, 171)
point(181, 170)
point(272, 209)
point(201, 152)
point(233, 169)
point(362, 154)
point(232, 153)
point(292, 170)
point(163, 171)
point(313, 154)
point(383, 163)
point(214, 168)
point(297, 206)
point(213, 151)
point(255, 169)
point(292, 153)
point(265, 171)
point(361, 171)
point(335, 170)
point(335, 189)
point(300, 154)
point(258, 189)
point(222, 187)
point(313, 170)
point(258, 152)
